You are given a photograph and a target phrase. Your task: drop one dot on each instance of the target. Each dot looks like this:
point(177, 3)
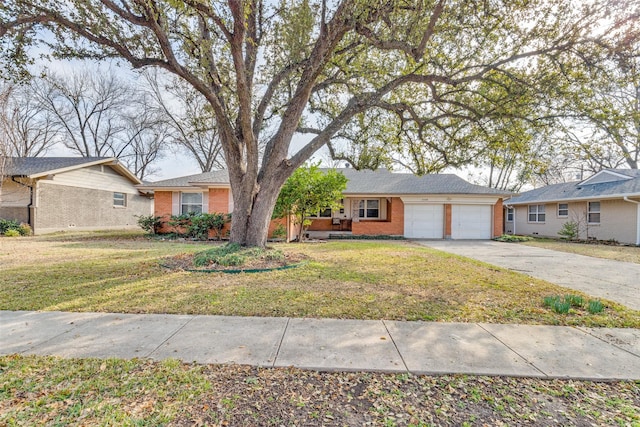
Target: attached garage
point(471, 221)
point(424, 221)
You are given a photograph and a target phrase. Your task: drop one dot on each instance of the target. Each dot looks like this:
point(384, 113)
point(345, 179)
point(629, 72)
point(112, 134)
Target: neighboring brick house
point(375, 203)
point(606, 206)
point(71, 193)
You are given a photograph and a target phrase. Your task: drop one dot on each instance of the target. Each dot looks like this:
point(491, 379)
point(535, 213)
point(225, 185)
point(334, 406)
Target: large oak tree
point(432, 73)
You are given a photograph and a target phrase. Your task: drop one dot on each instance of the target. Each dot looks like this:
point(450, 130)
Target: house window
point(120, 200)
point(324, 213)
point(509, 214)
point(563, 210)
point(593, 214)
point(191, 202)
point(369, 208)
point(536, 213)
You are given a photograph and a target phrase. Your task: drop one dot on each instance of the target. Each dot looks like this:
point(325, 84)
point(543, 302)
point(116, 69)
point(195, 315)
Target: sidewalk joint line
point(284, 332)
point(396, 346)
point(191, 319)
point(519, 355)
point(585, 331)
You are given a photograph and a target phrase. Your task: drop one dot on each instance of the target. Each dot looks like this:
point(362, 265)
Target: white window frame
point(510, 212)
point(563, 215)
point(363, 207)
point(538, 212)
point(183, 204)
point(592, 211)
point(119, 200)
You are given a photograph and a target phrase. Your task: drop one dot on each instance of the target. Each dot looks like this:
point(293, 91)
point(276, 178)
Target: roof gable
point(38, 167)
point(606, 175)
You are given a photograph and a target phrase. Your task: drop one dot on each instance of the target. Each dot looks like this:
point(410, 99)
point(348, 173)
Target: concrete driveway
point(613, 280)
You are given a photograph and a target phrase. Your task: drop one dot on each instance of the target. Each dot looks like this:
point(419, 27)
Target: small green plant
point(569, 230)
point(574, 300)
point(150, 223)
point(550, 300)
point(595, 307)
point(12, 233)
point(561, 307)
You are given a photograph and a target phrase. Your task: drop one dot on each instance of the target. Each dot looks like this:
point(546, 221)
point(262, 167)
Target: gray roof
point(583, 191)
point(379, 182)
point(25, 166)
point(384, 182)
point(213, 177)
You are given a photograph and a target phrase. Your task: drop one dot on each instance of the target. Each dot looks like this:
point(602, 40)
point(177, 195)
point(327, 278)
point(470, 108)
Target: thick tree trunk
point(253, 209)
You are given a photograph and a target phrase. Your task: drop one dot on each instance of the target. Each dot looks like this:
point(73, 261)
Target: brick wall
point(219, 200)
point(162, 206)
point(498, 219)
point(63, 208)
point(393, 226)
point(447, 221)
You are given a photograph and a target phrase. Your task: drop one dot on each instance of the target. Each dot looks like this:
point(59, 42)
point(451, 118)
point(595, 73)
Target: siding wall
point(617, 221)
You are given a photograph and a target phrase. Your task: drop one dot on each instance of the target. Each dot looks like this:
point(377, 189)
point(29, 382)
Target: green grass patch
point(563, 305)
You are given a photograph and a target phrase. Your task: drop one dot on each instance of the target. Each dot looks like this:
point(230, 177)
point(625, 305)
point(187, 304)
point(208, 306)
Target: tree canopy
point(421, 82)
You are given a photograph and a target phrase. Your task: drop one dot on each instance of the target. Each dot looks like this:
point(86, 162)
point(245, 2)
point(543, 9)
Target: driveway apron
point(612, 280)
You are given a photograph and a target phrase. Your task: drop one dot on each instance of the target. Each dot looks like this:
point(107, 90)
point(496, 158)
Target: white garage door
point(471, 222)
point(423, 221)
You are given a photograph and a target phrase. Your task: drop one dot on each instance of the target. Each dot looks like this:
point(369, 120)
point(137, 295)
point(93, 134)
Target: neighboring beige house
point(71, 193)
point(375, 203)
point(606, 206)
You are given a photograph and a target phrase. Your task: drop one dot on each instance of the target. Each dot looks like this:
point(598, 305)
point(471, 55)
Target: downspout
point(626, 199)
point(13, 178)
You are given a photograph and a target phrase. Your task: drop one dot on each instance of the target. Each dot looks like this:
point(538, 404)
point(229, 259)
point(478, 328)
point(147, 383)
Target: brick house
point(71, 193)
point(375, 203)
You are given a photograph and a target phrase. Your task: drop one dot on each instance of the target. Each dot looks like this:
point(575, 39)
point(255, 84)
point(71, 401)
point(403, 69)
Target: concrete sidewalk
point(330, 344)
point(613, 280)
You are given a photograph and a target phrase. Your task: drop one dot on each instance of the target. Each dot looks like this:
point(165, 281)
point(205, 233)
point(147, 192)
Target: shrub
point(25, 229)
point(13, 232)
point(150, 223)
point(279, 232)
point(8, 224)
point(569, 230)
point(233, 254)
point(197, 225)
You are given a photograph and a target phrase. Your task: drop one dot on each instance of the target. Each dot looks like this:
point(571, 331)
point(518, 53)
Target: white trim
point(450, 199)
point(626, 199)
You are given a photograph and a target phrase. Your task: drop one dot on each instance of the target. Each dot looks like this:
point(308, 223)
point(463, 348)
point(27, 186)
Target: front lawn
point(343, 279)
point(618, 253)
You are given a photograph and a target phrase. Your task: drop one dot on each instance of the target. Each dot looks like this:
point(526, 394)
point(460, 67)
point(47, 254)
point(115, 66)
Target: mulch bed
point(185, 262)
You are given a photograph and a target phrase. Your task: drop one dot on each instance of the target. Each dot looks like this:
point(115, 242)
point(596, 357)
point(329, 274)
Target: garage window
point(536, 213)
point(369, 208)
point(594, 213)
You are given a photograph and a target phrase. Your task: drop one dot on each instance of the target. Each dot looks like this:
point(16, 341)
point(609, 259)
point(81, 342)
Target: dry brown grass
point(618, 253)
point(348, 279)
